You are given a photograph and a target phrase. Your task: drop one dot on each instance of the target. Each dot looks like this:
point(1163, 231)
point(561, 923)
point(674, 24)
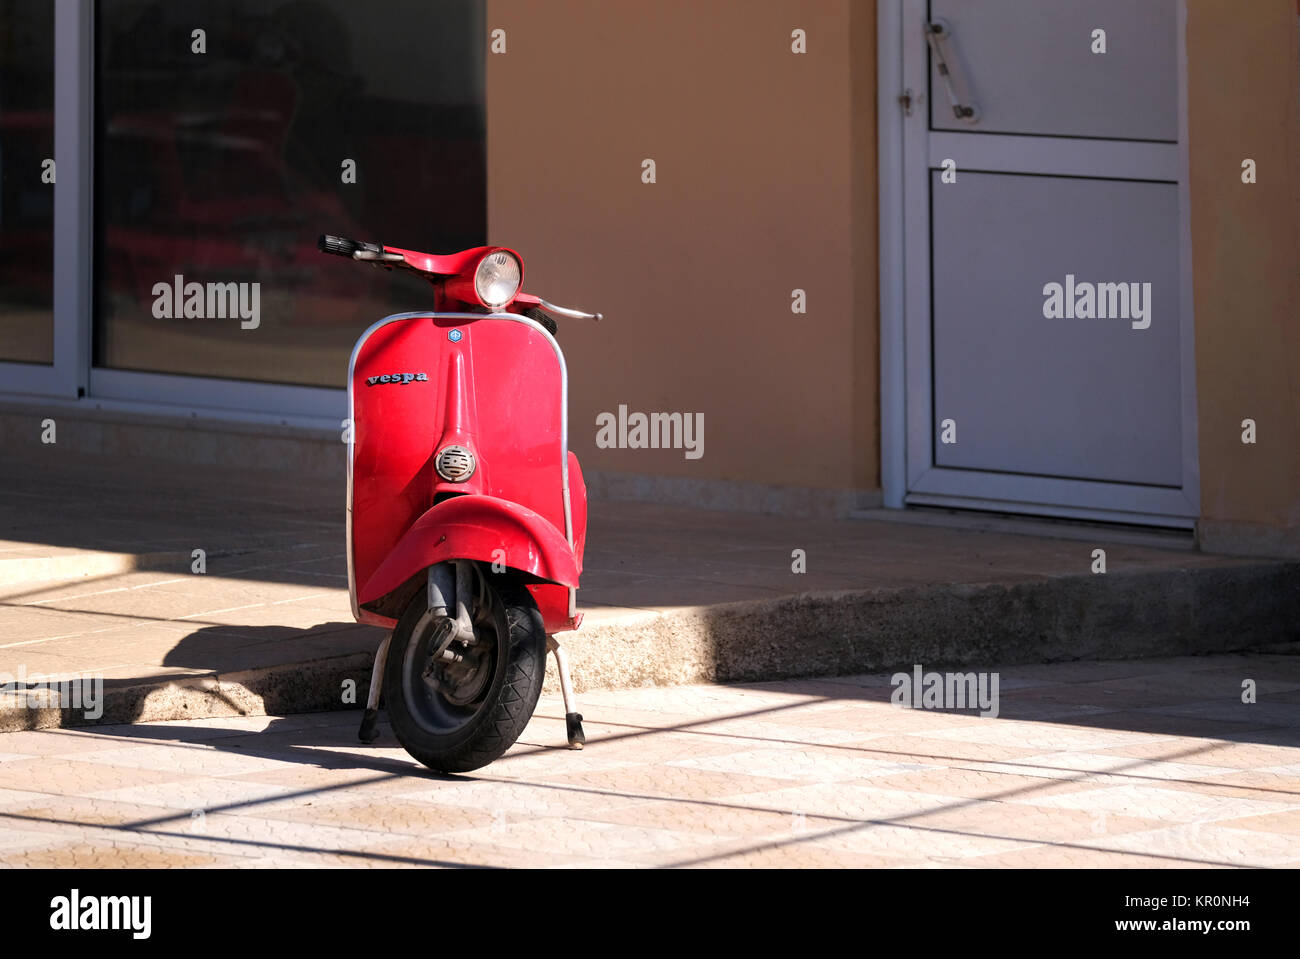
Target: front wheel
point(461, 712)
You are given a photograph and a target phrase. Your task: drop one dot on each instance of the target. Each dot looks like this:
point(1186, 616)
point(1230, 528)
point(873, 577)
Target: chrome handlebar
point(571, 314)
point(375, 253)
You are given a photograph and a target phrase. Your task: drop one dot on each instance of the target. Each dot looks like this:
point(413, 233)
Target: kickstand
point(369, 730)
point(572, 718)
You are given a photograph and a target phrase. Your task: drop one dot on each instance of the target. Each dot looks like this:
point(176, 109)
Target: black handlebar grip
point(337, 245)
point(341, 246)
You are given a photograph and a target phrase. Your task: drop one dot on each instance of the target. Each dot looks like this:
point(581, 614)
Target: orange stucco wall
point(1244, 102)
point(765, 167)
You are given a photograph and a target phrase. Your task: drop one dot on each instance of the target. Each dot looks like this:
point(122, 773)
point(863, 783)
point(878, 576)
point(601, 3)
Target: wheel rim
point(446, 696)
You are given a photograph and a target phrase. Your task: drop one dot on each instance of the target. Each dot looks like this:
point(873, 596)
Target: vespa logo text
point(402, 378)
point(212, 301)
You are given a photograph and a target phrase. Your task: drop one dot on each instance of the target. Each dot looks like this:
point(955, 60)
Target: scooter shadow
point(309, 719)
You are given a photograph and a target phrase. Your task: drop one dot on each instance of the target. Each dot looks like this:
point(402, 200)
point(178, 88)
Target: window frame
point(67, 375)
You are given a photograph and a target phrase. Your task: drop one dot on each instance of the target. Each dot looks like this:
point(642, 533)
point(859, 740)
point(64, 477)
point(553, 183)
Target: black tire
point(458, 737)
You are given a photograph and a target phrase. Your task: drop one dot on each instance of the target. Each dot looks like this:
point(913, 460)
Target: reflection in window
point(231, 133)
point(26, 181)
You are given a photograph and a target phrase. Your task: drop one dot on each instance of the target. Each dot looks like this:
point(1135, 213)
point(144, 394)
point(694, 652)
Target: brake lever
point(571, 314)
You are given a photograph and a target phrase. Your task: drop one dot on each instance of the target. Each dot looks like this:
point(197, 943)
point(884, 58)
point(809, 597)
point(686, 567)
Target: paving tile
point(883, 719)
point(1212, 843)
point(78, 777)
point(1073, 856)
point(399, 817)
point(995, 785)
point(712, 818)
point(508, 798)
point(561, 838)
point(451, 852)
point(110, 855)
point(249, 835)
point(53, 743)
point(1247, 784)
point(1041, 736)
point(920, 748)
point(848, 802)
point(1287, 823)
point(1248, 752)
point(1166, 805)
point(1035, 824)
point(803, 765)
point(196, 794)
point(327, 784)
point(1288, 769)
point(1234, 710)
point(13, 840)
point(668, 781)
point(1164, 724)
point(90, 819)
point(1108, 769)
point(925, 838)
point(12, 797)
point(608, 743)
point(182, 757)
point(804, 854)
point(740, 732)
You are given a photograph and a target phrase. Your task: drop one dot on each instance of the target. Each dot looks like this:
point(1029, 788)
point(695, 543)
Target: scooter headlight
point(497, 279)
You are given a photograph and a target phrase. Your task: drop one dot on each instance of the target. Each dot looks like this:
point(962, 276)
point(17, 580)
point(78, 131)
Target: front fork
point(450, 586)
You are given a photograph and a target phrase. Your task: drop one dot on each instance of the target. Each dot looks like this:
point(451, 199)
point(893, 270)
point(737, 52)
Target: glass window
point(230, 134)
point(27, 177)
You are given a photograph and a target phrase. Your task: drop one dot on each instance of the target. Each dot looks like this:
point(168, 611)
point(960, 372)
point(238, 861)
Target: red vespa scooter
point(467, 513)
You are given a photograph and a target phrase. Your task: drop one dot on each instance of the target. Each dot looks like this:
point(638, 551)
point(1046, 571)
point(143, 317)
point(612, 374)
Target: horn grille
point(455, 464)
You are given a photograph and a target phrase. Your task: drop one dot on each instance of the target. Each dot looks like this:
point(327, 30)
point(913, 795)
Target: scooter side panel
point(578, 508)
point(553, 603)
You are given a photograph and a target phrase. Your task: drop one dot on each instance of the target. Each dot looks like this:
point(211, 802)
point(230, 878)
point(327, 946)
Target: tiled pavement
point(1141, 764)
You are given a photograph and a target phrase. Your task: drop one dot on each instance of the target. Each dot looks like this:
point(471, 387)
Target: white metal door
point(1046, 316)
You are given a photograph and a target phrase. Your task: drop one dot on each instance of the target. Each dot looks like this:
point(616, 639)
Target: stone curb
point(70, 567)
point(1115, 616)
point(270, 691)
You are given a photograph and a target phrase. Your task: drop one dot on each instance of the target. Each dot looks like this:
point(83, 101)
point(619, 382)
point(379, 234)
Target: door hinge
point(905, 101)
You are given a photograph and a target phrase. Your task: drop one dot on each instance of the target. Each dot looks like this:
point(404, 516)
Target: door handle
point(937, 34)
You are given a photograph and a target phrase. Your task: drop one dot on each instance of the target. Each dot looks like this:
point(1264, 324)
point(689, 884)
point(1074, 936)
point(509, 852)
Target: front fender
point(481, 528)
